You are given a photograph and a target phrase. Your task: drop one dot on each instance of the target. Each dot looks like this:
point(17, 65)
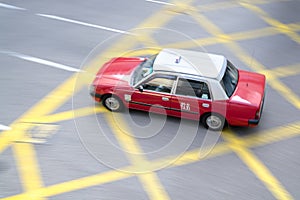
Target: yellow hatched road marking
point(282, 71)
point(57, 98)
point(67, 115)
point(283, 28)
point(231, 4)
point(256, 166)
point(259, 139)
point(273, 135)
point(28, 168)
point(69, 186)
point(131, 148)
point(239, 36)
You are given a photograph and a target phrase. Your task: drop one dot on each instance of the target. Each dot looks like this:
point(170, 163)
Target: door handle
point(205, 105)
point(165, 98)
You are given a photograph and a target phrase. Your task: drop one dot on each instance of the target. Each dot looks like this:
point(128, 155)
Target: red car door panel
point(150, 101)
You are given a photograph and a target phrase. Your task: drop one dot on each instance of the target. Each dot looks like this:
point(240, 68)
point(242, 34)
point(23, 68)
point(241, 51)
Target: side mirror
point(141, 88)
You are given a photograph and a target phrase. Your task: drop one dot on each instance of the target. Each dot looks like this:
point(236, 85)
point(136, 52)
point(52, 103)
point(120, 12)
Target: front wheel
point(112, 103)
point(213, 121)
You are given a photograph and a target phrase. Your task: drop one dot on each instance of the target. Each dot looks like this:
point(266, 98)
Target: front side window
point(160, 84)
point(143, 70)
point(230, 79)
point(192, 88)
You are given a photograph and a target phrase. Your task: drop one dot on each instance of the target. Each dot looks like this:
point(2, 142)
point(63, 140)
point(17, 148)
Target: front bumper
point(92, 92)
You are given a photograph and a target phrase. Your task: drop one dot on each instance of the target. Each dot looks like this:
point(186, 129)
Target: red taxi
point(182, 83)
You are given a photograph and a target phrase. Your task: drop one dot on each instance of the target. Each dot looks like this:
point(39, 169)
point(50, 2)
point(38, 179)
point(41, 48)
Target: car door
point(191, 99)
point(154, 94)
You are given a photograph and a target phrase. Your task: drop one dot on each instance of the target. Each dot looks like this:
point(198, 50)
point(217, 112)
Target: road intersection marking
point(238, 146)
point(34, 189)
point(262, 138)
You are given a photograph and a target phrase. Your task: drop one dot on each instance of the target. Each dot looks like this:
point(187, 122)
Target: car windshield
point(230, 79)
point(143, 70)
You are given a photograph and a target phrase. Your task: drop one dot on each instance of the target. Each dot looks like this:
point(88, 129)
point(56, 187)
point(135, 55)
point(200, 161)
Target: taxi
point(182, 83)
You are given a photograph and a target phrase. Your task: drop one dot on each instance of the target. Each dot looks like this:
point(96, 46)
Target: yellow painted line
point(261, 138)
point(148, 41)
point(115, 175)
point(282, 71)
point(283, 28)
point(286, 92)
point(231, 4)
point(69, 186)
point(67, 115)
point(273, 135)
point(28, 168)
point(257, 167)
point(239, 36)
point(143, 52)
point(51, 102)
point(149, 179)
point(217, 6)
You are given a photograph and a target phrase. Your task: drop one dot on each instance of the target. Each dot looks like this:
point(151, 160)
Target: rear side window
point(192, 88)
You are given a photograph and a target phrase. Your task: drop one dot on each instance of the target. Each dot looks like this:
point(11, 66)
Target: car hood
point(117, 71)
point(250, 88)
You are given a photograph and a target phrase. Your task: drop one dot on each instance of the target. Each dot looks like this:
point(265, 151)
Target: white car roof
point(190, 62)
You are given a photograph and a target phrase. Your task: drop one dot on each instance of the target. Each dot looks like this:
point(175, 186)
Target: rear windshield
point(230, 79)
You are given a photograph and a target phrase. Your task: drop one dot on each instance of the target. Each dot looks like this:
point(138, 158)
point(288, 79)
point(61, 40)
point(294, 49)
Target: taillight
point(257, 114)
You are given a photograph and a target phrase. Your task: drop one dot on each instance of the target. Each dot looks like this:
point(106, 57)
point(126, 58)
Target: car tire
point(213, 121)
point(112, 103)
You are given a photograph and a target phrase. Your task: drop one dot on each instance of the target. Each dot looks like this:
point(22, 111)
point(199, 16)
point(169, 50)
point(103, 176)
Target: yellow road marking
point(69, 186)
point(259, 139)
point(282, 71)
point(231, 4)
point(28, 168)
point(239, 36)
point(256, 166)
point(283, 28)
point(67, 115)
point(149, 179)
point(273, 135)
point(51, 102)
point(62, 100)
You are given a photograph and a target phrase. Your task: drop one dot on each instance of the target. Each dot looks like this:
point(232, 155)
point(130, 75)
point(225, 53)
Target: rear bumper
point(253, 122)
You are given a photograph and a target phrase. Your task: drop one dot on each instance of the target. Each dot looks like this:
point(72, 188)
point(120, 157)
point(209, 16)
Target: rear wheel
point(112, 103)
point(213, 121)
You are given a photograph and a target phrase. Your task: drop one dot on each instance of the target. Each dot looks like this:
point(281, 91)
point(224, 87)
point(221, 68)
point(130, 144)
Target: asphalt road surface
point(57, 143)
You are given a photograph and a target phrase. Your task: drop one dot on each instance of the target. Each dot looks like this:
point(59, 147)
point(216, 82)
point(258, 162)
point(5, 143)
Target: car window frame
point(158, 75)
point(193, 79)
